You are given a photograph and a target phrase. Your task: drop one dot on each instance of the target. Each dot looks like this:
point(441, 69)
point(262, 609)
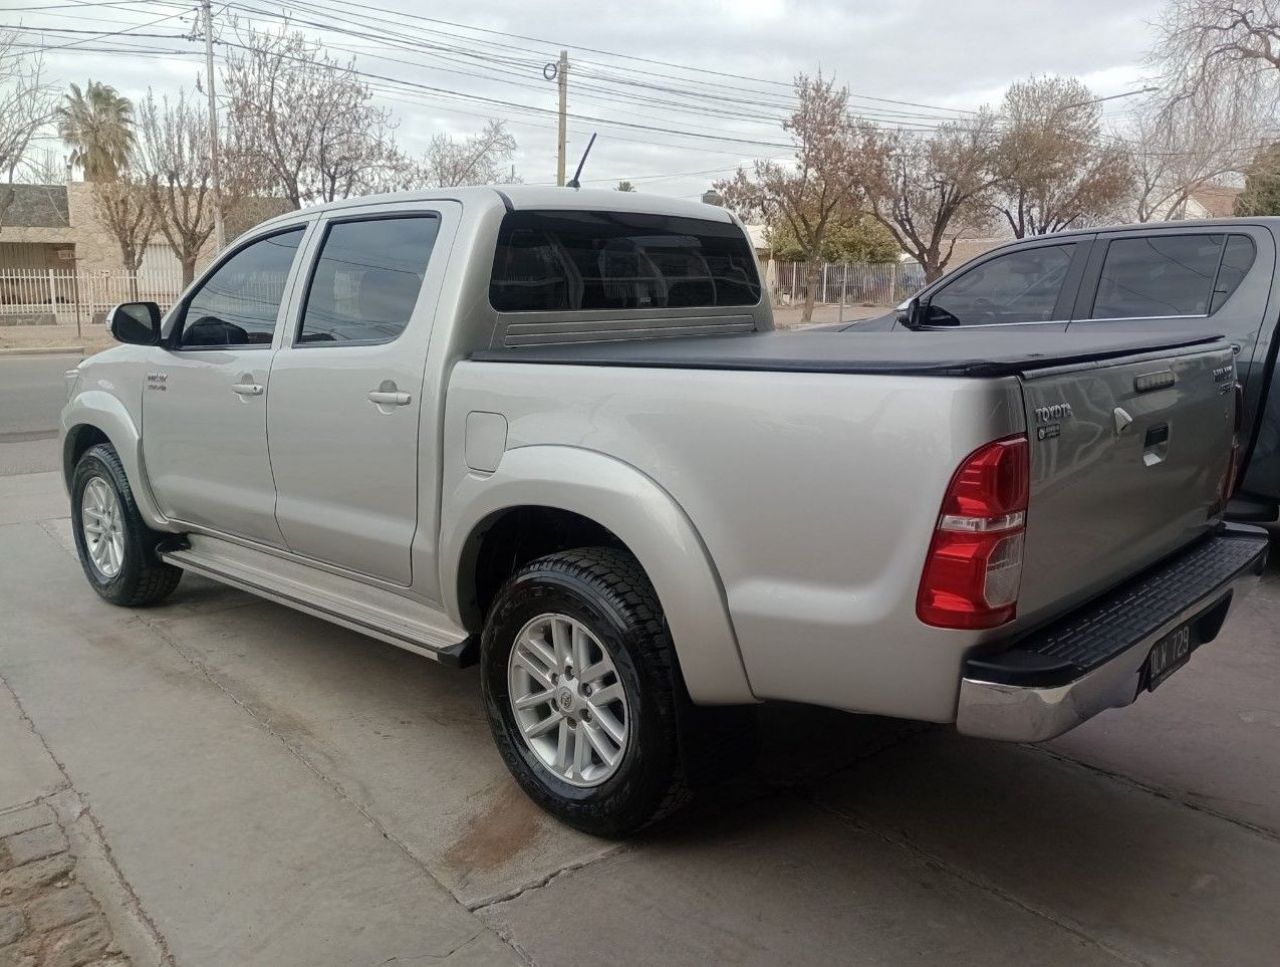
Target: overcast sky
point(945, 57)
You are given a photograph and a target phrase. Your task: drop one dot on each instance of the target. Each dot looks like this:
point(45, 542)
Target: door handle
point(389, 397)
point(247, 389)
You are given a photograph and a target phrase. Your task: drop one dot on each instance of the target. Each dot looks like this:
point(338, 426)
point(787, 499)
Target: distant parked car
point(1217, 276)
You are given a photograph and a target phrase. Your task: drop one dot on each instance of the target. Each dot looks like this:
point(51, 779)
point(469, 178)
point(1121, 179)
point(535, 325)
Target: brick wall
point(96, 248)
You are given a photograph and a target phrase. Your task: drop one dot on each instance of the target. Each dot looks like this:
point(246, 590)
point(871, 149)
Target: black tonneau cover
point(993, 353)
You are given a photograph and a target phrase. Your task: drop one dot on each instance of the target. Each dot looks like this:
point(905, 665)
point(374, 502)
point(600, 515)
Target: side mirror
point(909, 316)
point(137, 323)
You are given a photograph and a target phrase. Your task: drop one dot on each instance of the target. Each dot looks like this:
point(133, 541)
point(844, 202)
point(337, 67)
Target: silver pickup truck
point(554, 432)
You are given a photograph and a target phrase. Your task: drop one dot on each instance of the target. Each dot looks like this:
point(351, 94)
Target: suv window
point(1170, 275)
point(1020, 286)
point(367, 278)
point(619, 260)
point(1237, 260)
point(237, 305)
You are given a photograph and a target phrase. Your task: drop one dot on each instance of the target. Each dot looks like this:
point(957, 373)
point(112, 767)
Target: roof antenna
point(573, 182)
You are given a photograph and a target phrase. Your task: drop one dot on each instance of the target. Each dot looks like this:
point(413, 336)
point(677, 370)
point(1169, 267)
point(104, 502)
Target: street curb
point(37, 351)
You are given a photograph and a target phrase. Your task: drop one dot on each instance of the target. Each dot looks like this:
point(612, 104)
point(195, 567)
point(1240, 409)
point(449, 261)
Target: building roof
point(1218, 201)
point(37, 206)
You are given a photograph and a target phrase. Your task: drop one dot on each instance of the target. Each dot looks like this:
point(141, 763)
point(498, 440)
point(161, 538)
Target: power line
point(79, 3)
point(514, 78)
point(502, 64)
point(403, 42)
point(528, 107)
point(631, 57)
point(593, 93)
point(347, 5)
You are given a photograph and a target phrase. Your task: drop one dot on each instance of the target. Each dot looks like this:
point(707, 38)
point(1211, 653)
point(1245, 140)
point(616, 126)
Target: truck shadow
point(1142, 867)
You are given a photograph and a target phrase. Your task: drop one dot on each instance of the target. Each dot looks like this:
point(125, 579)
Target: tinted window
point(1021, 286)
point(367, 278)
point(1237, 259)
point(1161, 275)
point(237, 305)
point(619, 260)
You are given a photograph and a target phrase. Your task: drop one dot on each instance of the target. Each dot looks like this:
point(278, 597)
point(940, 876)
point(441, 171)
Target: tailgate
point(1127, 464)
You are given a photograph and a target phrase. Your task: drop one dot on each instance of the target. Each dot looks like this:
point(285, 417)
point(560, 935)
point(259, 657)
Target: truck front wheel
point(581, 690)
point(115, 546)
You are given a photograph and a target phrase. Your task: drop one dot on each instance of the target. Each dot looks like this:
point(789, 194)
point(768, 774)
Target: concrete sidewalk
point(62, 900)
point(267, 788)
point(239, 850)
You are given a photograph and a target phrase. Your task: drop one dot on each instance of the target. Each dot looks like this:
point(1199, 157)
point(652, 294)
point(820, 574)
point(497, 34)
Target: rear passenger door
point(350, 447)
point(1193, 279)
point(1033, 285)
point(1184, 279)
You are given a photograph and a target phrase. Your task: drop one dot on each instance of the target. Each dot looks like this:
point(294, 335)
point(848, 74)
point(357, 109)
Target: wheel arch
point(548, 498)
point(97, 417)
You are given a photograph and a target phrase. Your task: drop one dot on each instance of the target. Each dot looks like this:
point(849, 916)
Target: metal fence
point(65, 296)
point(46, 296)
point(848, 283)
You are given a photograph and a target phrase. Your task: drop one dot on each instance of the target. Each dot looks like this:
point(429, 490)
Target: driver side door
point(205, 402)
point(1032, 286)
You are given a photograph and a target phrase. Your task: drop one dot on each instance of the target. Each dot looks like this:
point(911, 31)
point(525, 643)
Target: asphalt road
point(32, 391)
point(272, 789)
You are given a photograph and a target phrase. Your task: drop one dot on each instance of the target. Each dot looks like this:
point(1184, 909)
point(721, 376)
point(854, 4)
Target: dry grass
point(93, 338)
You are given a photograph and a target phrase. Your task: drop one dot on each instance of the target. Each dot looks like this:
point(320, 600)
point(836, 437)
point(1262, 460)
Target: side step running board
point(369, 610)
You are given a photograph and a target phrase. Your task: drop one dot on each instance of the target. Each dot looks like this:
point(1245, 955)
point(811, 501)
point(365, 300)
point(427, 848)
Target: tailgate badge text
point(1053, 413)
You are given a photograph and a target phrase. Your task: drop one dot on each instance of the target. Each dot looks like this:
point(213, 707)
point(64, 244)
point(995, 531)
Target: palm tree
point(97, 124)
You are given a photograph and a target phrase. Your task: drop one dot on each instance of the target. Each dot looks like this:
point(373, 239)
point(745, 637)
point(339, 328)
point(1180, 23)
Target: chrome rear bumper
point(1095, 658)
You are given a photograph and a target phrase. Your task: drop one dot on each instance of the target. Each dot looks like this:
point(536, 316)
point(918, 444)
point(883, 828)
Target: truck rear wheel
point(115, 546)
point(582, 691)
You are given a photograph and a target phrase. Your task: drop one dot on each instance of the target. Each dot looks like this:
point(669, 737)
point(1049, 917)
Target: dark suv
point(1206, 276)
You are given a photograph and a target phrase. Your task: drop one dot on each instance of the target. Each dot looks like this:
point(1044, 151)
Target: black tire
point(605, 590)
point(143, 578)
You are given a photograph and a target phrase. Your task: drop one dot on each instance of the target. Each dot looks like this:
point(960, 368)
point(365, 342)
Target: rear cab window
point(581, 260)
point(1169, 275)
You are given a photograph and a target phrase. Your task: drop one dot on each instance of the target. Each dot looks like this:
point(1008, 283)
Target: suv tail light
point(974, 567)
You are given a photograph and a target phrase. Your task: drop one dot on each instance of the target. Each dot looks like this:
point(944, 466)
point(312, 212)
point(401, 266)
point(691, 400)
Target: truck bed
point(891, 353)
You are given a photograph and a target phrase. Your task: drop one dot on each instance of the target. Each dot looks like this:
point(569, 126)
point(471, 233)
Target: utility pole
point(219, 237)
point(562, 81)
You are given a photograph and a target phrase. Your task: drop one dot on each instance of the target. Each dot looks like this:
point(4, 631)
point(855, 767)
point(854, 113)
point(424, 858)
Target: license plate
point(1168, 655)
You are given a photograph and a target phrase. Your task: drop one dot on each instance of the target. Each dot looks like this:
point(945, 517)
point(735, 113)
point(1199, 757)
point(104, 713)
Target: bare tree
point(816, 190)
point(125, 208)
point(480, 159)
point(1183, 144)
point(43, 167)
point(1217, 45)
point(307, 121)
point(928, 191)
point(1219, 62)
point(1053, 165)
point(174, 157)
point(27, 104)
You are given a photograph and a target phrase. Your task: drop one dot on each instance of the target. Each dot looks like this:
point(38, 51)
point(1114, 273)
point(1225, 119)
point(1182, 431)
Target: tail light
point(974, 568)
point(1233, 468)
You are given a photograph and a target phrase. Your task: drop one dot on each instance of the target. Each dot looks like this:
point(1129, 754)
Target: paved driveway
point(265, 788)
